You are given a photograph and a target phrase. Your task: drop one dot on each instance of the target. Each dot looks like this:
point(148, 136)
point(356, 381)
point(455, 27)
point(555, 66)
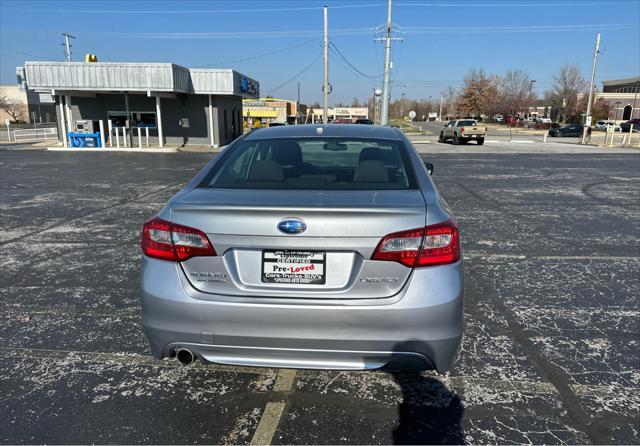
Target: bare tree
point(563, 95)
point(355, 103)
point(450, 98)
point(514, 92)
point(14, 108)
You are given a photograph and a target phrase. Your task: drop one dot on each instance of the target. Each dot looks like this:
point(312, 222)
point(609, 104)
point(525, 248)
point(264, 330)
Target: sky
point(279, 43)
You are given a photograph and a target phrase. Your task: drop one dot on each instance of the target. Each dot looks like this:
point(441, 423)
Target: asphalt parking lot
point(550, 354)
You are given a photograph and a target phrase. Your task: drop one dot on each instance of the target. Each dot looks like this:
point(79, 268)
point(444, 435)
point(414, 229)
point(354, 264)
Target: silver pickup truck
point(461, 131)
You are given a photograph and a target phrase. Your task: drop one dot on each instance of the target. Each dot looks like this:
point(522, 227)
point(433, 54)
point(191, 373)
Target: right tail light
point(432, 245)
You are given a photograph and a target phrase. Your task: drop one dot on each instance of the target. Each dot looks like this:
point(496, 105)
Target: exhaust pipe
point(185, 356)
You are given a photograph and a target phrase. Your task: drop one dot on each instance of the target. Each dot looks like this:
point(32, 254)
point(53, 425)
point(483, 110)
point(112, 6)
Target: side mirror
point(429, 167)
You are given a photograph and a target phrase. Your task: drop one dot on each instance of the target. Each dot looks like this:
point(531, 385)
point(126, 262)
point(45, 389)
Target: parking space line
point(602, 257)
point(284, 381)
point(116, 357)
point(268, 423)
point(87, 214)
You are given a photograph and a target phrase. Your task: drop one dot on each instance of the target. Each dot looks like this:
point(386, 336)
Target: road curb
point(116, 150)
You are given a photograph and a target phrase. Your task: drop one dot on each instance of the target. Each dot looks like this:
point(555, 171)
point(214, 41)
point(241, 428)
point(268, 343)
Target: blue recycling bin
point(84, 139)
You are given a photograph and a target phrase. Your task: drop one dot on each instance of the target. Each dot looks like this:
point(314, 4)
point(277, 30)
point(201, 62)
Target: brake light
point(462, 130)
point(169, 241)
point(437, 244)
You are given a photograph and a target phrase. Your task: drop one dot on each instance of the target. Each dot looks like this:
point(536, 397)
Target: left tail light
point(169, 241)
point(432, 245)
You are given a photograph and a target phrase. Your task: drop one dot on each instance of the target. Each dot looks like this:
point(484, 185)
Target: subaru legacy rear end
point(306, 247)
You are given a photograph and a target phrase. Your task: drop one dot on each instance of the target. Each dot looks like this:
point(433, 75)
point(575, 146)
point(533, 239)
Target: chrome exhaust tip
point(185, 356)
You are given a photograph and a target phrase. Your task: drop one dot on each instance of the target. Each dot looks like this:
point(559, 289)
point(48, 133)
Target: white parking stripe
point(284, 382)
point(268, 423)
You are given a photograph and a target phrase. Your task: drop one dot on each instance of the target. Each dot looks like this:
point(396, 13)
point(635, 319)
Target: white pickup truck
point(461, 131)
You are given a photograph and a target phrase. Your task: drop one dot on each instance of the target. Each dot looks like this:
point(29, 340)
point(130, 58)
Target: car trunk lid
point(343, 229)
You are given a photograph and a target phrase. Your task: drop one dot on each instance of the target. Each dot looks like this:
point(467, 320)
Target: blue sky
point(443, 39)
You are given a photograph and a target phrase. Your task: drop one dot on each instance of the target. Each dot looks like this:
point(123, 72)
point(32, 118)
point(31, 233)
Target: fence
point(35, 135)
point(28, 132)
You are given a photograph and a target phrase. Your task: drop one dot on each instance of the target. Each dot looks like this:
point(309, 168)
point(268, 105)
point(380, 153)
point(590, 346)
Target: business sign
point(249, 86)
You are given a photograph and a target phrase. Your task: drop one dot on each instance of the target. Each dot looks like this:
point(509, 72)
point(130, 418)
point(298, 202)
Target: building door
point(626, 113)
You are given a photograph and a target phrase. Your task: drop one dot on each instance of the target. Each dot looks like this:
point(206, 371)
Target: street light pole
point(617, 104)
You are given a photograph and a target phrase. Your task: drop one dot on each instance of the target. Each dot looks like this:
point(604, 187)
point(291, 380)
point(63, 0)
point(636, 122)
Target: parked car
point(342, 121)
point(498, 118)
point(276, 124)
point(308, 246)
point(461, 131)
point(633, 123)
point(604, 125)
point(543, 120)
point(364, 121)
point(567, 130)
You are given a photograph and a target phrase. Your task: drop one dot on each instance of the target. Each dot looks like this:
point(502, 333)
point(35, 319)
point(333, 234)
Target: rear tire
point(480, 141)
point(441, 138)
point(456, 141)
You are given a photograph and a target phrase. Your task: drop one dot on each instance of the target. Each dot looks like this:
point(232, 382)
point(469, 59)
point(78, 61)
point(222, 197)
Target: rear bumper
point(419, 327)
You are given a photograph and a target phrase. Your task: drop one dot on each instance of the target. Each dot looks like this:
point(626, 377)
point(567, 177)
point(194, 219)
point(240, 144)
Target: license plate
point(474, 136)
point(302, 267)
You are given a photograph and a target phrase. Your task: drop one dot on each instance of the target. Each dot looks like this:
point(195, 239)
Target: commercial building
point(171, 103)
point(622, 97)
point(341, 114)
point(24, 106)
point(263, 111)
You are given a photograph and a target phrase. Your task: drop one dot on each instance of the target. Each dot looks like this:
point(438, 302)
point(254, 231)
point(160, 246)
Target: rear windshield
point(466, 123)
point(314, 163)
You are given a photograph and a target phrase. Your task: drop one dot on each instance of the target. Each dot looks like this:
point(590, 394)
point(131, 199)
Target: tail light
point(169, 241)
point(437, 244)
point(462, 130)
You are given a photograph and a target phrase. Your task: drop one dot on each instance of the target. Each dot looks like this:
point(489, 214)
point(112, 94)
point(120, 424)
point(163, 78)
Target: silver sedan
point(311, 246)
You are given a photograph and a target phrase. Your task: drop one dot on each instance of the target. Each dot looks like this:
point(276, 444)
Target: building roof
point(328, 131)
point(132, 77)
point(627, 81)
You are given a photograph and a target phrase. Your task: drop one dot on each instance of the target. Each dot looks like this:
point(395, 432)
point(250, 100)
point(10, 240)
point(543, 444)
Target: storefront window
point(138, 119)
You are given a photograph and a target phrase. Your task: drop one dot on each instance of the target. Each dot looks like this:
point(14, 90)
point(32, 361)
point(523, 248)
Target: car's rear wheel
point(456, 141)
point(480, 141)
point(441, 138)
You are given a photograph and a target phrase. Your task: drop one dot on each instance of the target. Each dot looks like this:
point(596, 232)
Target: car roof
point(329, 130)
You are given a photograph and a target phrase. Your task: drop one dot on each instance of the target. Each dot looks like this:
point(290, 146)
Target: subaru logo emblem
point(292, 226)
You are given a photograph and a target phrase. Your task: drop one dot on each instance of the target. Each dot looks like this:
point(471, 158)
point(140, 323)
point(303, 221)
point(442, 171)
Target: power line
point(23, 53)
point(513, 5)
point(337, 52)
point(354, 31)
point(257, 56)
point(187, 11)
point(305, 69)
point(516, 29)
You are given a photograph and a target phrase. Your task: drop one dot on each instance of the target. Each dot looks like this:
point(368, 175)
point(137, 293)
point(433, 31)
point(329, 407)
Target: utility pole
point(587, 123)
point(384, 113)
point(67, 45)
point(298, 106)
point(402, 107)
point(325, 85)
point(530, 96)
point(440, 115)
